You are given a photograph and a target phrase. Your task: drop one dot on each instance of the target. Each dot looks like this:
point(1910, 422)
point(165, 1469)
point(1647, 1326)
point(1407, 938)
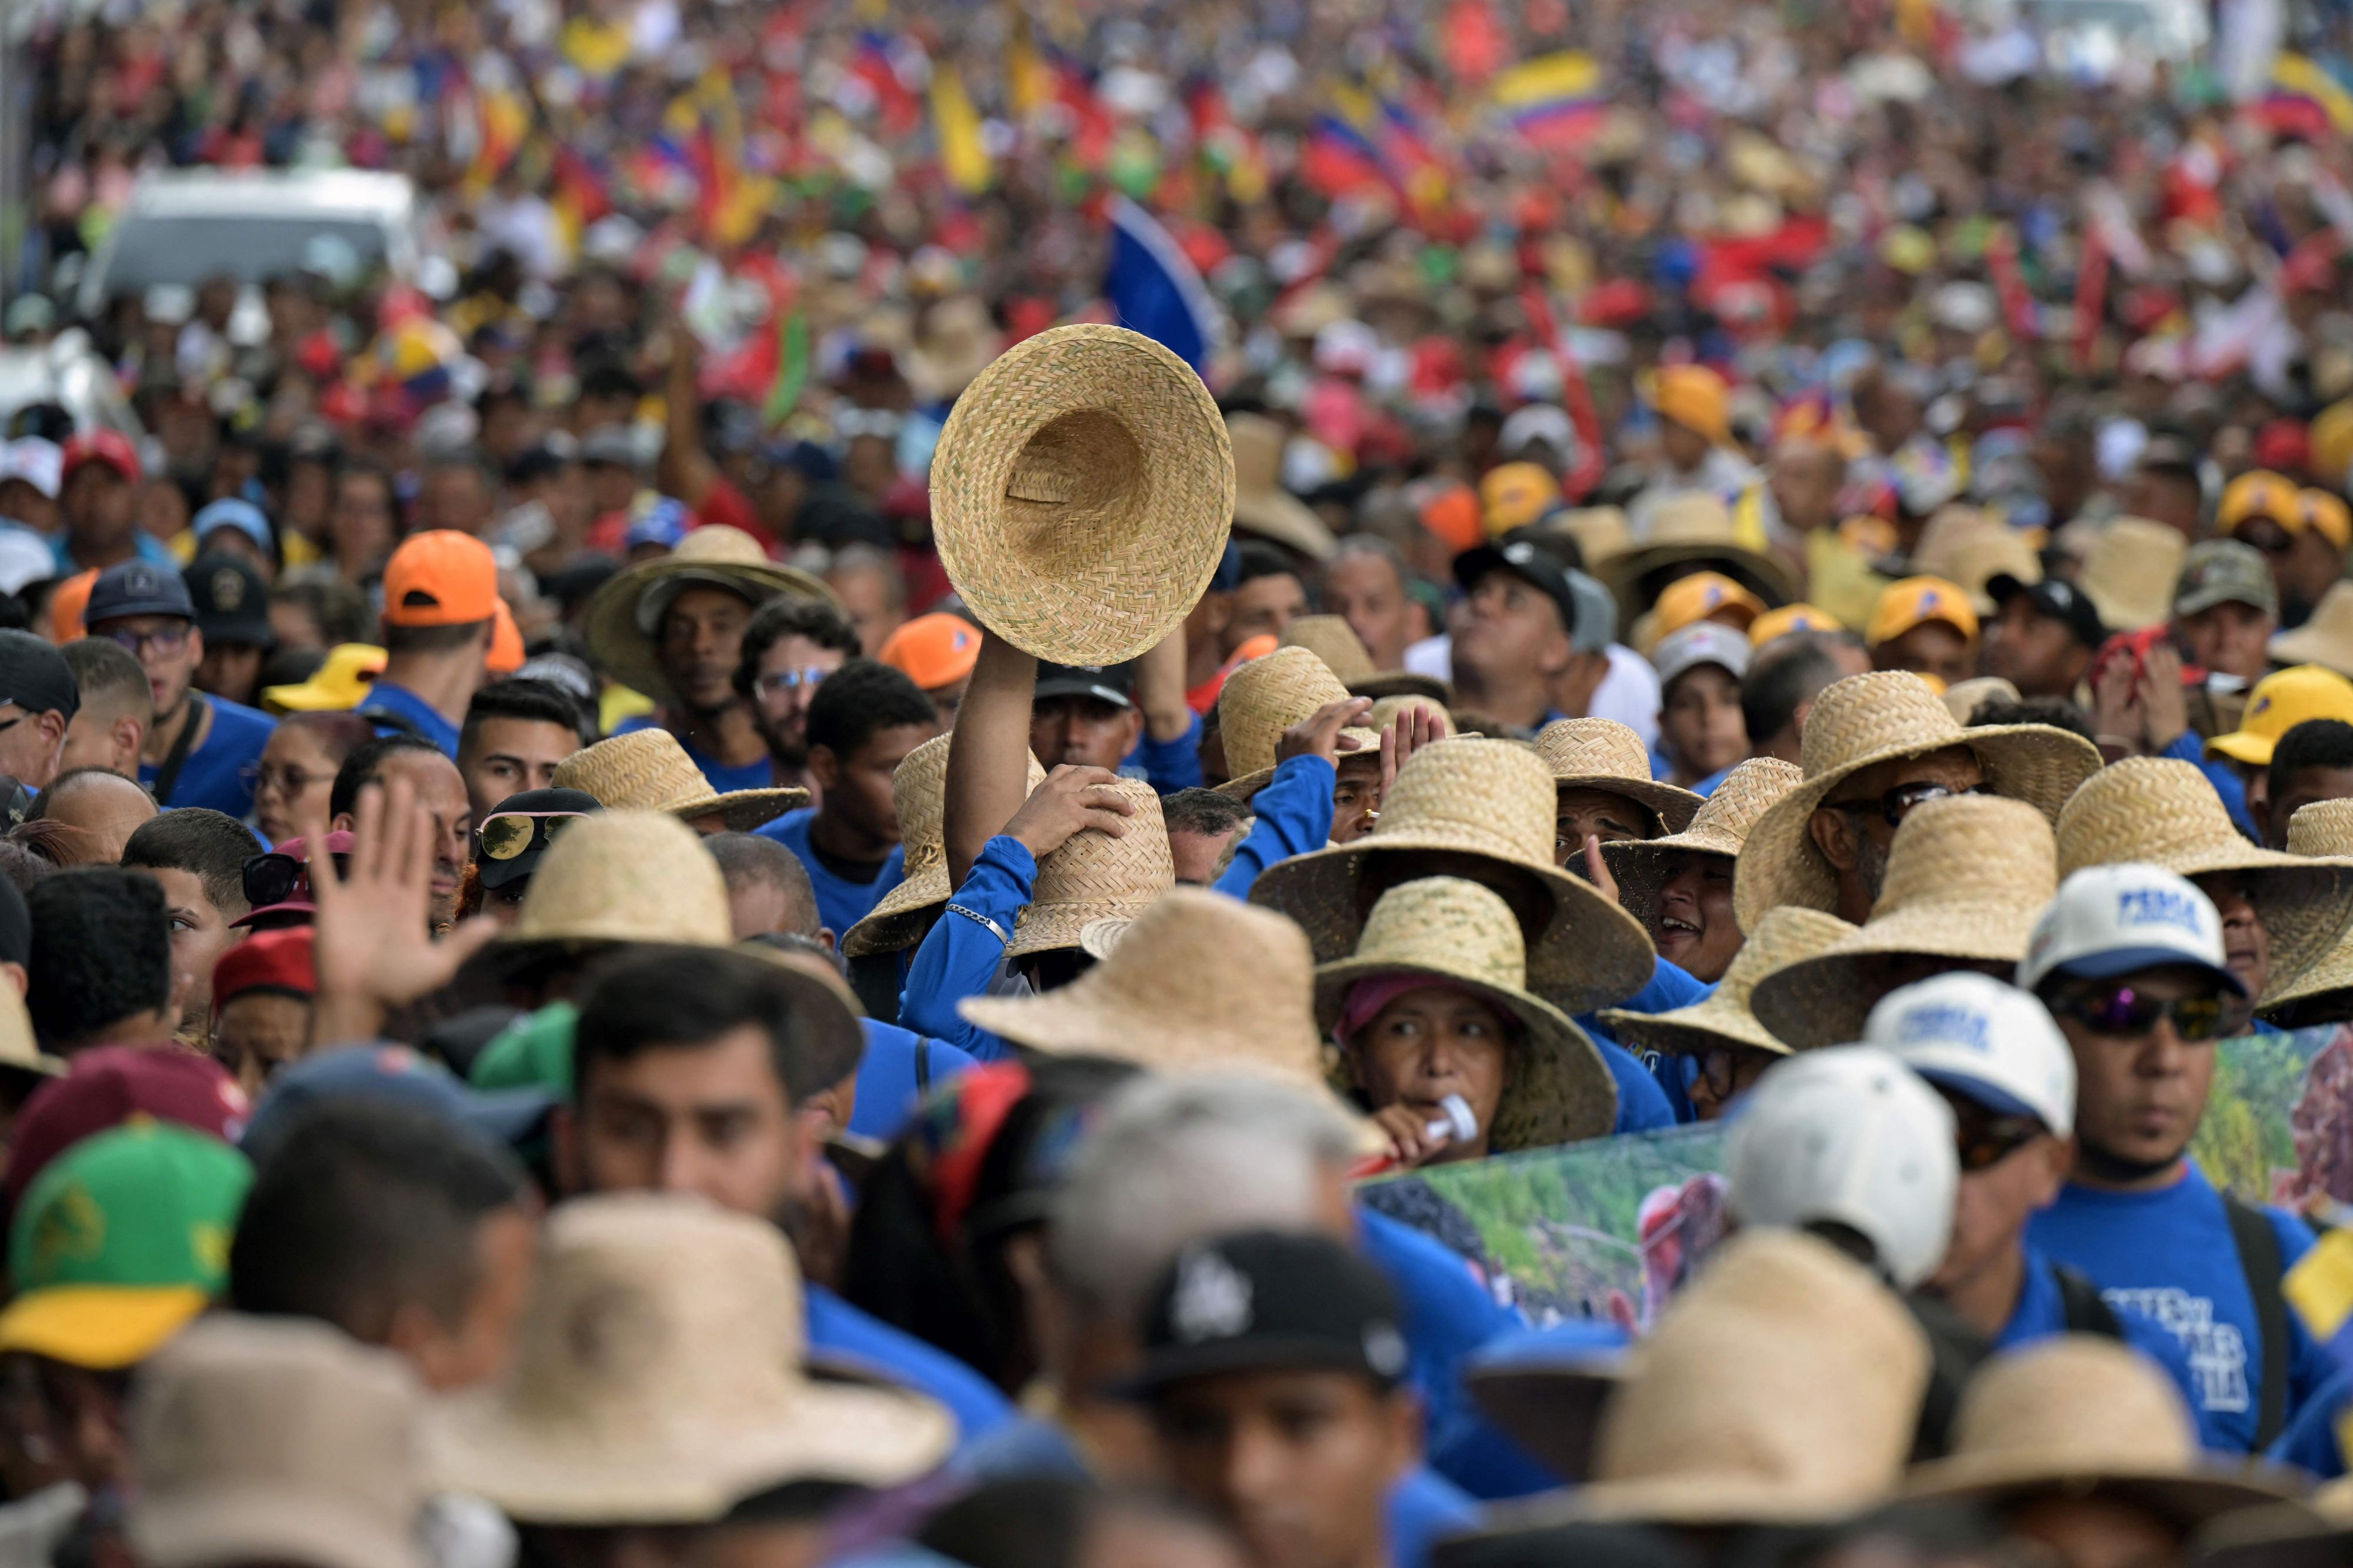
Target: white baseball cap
point(36, 460)
point(1989, 1042)
point(1702, 642)
point(1852, 1136)
point(2113, 919)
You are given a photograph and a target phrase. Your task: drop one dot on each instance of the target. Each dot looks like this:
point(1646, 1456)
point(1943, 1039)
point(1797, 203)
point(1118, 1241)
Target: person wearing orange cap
point(1695, 451)
point(2304, 544)
point(1704, 596)
point(1927, 626)
point(936, 652)
point(1514, 494)
point(440, 617)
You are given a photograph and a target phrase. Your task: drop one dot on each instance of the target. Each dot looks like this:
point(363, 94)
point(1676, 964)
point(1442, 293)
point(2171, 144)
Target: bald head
point(105, 807)
point(767, 887)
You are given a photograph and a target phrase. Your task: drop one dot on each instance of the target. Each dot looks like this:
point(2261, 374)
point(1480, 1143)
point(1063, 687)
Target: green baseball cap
point(2222, 571)
point(533, 1052)
point(121, 1242)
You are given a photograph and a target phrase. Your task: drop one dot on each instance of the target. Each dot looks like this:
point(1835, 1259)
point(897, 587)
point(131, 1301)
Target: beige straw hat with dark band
point(1720, 828)
point(1332, 640)
point(648, 770)
point(1790, 934)
point(1866, 720)
point(1603, 754)
point(1207, 982)
point(1082, 493)
point(625, 875)
point(1693, 529)
point(1264, 698)
point(919, 795)
point(2164, 812)
point(1493, 801)
point(1968, 876)
point(1558, 1089)
point(623, 623)
point(1262, 505)
point(2324, 993)
point(1096, 876)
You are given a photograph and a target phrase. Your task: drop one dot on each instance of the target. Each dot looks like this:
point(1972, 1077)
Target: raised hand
point(1073, 799)
point(1318, 734)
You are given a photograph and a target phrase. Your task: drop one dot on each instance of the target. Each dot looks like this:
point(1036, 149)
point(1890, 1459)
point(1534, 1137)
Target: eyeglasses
point(508, 834)
point(277, 877)
point(1984, 1138)
point(852, 423)
point(165, 640)
point(776, 682)
point(2123, 1011)
point(1899, 803)
point(286, 780)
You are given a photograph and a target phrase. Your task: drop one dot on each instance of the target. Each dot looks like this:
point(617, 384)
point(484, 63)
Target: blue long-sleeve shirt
point(1168, 765)
point(2224, 776)
point(1658, 1098)
point(1294, 816)
point(964, 952)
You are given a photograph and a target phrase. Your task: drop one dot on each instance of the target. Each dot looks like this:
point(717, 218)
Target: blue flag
point(1154, 289)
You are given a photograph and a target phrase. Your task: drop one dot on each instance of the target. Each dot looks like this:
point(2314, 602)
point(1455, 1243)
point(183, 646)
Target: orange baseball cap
point(934, 650)
point(1707, 596)
point(1916, 601)
point(67, 604)
point(506, 642)
point(2259, 493)
point(1790, 618)
point(1453, 518)
point(440, 578)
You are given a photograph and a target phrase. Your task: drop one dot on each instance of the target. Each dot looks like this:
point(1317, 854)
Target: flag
point(2304, 99)
point(1029, 84)
point(1340, 159)
point(1155, 290)
point(1552, 98)
point(792, 365)
point(957, 124)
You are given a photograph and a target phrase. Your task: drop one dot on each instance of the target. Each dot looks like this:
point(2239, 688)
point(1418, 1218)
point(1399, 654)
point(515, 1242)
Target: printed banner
point(2279, 1119)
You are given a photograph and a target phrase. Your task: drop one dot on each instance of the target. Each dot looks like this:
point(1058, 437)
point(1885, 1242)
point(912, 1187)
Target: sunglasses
point(2122, 1011)
point(1984, 1138)
point(277, 877)
point(508, 834)
point(1900, 802)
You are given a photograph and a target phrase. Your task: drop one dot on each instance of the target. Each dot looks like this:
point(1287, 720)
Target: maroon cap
point(102, 446)
point(106, 1088)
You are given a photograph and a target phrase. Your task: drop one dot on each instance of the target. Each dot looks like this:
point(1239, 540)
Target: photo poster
point(2278, 1127)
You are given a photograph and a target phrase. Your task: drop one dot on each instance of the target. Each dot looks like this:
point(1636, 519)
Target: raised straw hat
point(1603, 754)
point(1094, 877)
point(2325, 639)
point(1720, 826)
point(658, 1379)
point(1968, 876)
point(1558, 1089)
point(1264, 698)
point(1866, 720)
point(623, 622)
point(648, 770)
point(1492, 802)
point(919, 795)
point(2129, 570)
point(2164, 812)
point(1262, 505)
point(1207, 982)
point(1790, 934)
point(1332, 640)
point(1081, 493)
point(1692, 528)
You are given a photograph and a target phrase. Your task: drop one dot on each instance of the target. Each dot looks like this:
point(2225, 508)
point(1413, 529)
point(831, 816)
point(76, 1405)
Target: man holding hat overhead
point(38, 700)
point(440, 606)
point(198, 749)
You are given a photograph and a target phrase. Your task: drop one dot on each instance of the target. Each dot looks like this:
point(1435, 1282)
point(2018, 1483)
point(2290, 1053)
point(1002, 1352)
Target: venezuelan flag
point(2304, 99)
point(1340, 159)
point(1552, 98)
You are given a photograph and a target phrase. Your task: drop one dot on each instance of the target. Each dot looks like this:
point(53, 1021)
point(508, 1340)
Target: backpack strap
point(2259, 1255)
point(2087, 1311)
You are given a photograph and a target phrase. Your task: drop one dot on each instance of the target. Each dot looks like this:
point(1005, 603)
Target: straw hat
point(1692, 528)
point(2130, 571)
point(625, 875)
point(1494, 801)
point(1262, 505)
point(1782, 1386)
point(658, 1379)
point(1207, 982)
point(648, 770)
point(2325, 639)
point(1603, 754)
point(1558, 1089)
point(1094, 877)
point(1264, 698)
point(1971, 554)
point(2281, 1537)
point(919, 793)
point(1720, 826)
point(1332, 640)
point(1601, 532)
point(1964, 697)
point(2165, 813)
point(1386, 708)
point(1788, 934)
point(1874, 718)
point(2078, 1415)
point(623, 623)
point(1082, 493)
point(2323, 830)
point(1966, 878)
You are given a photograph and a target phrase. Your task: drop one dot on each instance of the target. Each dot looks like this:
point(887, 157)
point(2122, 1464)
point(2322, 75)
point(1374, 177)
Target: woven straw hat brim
point(2037, 764)
point(1824, 1001)
point(1761, 574)
point(665, 1473)
point(1403, 683)
point(2305, 904)
point(1129, 502)
point(1560, 1090)
point(2313, 642)
point(1590, 954)
point(744, 809)
point(632, 658)
point(895, 921)
point(1701, 1499)
point(2187, 1496)
point(1043, 927)
point(1286, 519)
point(1690, 1031)
point(1067, 1021)
point(1641, 865)
point(1675, 807)
point(1250, 783)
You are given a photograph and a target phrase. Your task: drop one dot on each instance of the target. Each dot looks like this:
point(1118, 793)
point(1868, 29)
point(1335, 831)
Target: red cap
point(111, 448)
point(266, 960)
point(440, 578)
point(106, 1088)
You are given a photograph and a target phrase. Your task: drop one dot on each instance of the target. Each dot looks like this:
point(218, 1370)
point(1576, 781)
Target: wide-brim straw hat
point(658, 1380)
point(1207, 982)
point(1866, 720)
point(648, 770)
point(1081, 493)
point(1557, 1088)
point(1603, 754)
point(1262, 505)
point(919, 795)
point(1968, 876)
point(2286, 1536)
point(1691, 530)
point(1969, 546)
point(2129, 570)
point(1332, 640)
point(1720, 826)
point(2079, 1415)
point(2325, 639)
point(1096, 876)
point(2324, 993)
point(1790, 934)
point(1494, 802)
point(1264, 698)
point(624, 877)
point(2164, 812)
point(1964, 697)
point(623, 622)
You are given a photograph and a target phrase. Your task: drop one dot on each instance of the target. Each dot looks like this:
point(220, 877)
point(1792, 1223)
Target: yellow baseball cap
point(1799, 617)
point(1694, 397)
point(2329, 514)
point(2259, 492)
point(343, 682)
point(1917, 600)
point(1705, 596)
point(1515, 495)
point(2280, 701)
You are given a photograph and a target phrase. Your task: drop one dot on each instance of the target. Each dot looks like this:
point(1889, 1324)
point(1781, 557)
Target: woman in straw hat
point(1433, 1008)
point(1605, 793)
point(1680, 887)
point(648, 770)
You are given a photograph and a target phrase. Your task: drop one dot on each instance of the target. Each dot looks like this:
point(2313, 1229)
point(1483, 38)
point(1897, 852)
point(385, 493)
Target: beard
point(789, 747)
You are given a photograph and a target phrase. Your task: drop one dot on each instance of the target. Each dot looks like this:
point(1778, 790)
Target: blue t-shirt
point(1166, 765)
point(2041, 1311)
point(214, 772)
point(758, 773)
point(420, 715)
point(841, 902)
point(887, 1087)
point(1650, 1086)
point(2311, 1441)
point(841, 1331)
point(145, 545)
point(2169, 1254)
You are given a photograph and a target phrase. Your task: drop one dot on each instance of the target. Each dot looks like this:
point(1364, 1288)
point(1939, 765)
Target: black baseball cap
point(2056, 597)
point(497, 872)
point(1530, 563)
point(35, 675)
point(1267, 1300)
point(231, 602)
point(1112, 683)
point(137, 588)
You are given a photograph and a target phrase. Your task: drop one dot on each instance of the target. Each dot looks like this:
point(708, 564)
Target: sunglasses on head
point(1897, 804)
point(277, 877)
point(505, 835)
point(2120, 1010)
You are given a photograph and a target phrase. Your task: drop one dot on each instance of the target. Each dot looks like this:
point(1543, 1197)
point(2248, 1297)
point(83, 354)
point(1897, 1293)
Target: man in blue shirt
point(198, 749)
point(440, 604)
point(862, 723)
point(2129, 960)
point(99, 493)
point(1089, 716)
